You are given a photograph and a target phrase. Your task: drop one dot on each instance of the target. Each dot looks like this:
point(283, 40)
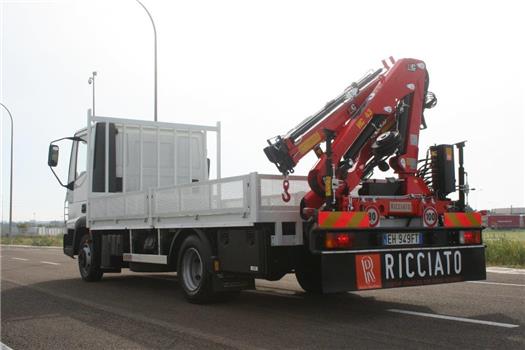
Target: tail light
point(469, 237)
point(338, 240)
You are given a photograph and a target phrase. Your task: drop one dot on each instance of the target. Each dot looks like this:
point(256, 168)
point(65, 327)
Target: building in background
point(34, 228)
point(504, 218)
point(508, 211)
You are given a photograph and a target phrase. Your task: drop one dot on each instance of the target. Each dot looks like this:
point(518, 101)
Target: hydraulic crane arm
point(373, 120)
point(286, 151)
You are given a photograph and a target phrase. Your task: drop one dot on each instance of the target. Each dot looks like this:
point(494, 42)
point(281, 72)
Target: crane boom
point(375, 122)
point(287, 150)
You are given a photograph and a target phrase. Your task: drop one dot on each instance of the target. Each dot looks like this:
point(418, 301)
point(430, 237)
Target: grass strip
point(39, 241)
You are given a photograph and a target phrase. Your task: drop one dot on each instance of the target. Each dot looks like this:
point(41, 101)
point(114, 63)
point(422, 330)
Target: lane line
point(506, 270)
point(21, 259)
point(174, 327)
point(453, 318)
point(49, 263)
point(160, 278)
point(498, 283)
point(4, 347)
point(273, 293)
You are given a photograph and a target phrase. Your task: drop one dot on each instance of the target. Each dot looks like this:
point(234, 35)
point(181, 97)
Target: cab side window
point(78, 160)
point(81, 163)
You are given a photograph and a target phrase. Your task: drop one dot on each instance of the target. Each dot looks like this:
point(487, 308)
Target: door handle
point(83, 208)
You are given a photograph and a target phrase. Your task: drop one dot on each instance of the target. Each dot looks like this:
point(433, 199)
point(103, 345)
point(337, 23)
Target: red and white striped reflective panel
point(343, 219)
point(463, 219)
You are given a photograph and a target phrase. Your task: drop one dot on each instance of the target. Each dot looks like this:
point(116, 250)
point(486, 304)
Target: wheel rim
point(192, 269)
point(84, 258)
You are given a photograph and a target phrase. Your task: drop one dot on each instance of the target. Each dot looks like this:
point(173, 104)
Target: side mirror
point(52, 157)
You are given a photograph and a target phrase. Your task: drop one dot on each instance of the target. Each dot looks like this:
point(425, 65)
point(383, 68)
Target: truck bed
point(235, 201)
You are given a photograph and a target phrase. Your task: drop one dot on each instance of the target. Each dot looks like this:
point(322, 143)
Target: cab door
point(76, 198)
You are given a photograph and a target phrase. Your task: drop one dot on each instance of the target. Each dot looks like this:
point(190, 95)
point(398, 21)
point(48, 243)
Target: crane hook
point(285, 195)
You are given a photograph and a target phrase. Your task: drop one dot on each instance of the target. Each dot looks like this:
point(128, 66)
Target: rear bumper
point(401, 267)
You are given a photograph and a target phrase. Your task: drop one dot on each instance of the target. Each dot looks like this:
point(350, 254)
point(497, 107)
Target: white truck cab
point(76, 195)
point(140, 155)
point(139, 164)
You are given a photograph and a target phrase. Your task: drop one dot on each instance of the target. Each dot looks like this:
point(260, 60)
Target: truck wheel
point(308, 273)
point(193, 270)
point(89, 270)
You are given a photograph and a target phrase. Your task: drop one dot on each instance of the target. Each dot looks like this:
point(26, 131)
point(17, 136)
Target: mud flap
point(393, 268)
point(224, 283)
point(68, 244)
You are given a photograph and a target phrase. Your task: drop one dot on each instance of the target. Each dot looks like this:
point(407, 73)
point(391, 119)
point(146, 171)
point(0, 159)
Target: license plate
point(404, 238)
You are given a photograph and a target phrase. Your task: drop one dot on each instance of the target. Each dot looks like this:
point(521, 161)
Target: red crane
point(374, 123)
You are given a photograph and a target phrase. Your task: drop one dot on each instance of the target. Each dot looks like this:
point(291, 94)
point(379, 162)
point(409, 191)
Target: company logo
point(417, 265)
point(368, 271)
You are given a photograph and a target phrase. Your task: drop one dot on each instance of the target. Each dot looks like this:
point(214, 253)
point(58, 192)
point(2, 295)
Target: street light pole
point(91, 80)
point(11, 175)
point(155, 58)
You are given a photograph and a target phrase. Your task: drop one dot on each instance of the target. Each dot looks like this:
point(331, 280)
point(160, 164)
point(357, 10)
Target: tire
point(193, 270)
point(308, 273)
point(87, 264)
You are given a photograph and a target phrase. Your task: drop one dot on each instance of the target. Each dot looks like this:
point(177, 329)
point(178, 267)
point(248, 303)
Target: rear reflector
point(338, 240)
point(469, 237)
point(216, 265)
point(343, 219)
point(471, 219)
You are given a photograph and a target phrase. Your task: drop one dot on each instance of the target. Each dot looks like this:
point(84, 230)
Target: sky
point(259, 67)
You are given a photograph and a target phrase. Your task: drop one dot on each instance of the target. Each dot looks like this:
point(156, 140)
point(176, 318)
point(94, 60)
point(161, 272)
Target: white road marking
point(166, 278)
point(498, 283)
point(453, 318)
point(49, 263)
point(4, 347)
point(137, 316)
point(506, 270)
point(21, 259)
point(275, 292)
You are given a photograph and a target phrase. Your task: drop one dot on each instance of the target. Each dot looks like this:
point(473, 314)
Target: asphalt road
point(46, 305)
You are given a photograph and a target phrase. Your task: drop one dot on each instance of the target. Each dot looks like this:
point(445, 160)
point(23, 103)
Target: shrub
point(41, 241)
point(505, 252)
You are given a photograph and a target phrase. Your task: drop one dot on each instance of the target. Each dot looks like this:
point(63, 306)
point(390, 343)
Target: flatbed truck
point(139, 197)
